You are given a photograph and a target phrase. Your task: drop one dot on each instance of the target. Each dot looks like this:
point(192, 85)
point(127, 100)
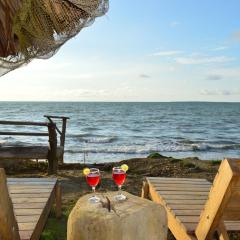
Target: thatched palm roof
point(37, 28)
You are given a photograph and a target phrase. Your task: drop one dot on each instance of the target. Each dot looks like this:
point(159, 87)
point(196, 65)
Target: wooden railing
point(55, 153)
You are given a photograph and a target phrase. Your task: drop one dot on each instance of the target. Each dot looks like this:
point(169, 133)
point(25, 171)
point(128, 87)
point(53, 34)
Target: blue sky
point(156, 50)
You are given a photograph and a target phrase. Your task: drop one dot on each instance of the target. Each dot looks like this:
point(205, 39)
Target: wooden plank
point(196, 193)
point(32, 180)
point(181, 182)
point(19, 123)
point(145, 190)
point(189, 219)
point(34, 184)
point(188, 212)
point(27, 226)
point(190, 227)
point(219, 197)
point(24, 153)
point(184, 201)
point(29, 200)
point(185, 207)
point(31, 190)
point(59, 117)
point(176, 227)
point(30, 205)
point(178, 197)
point(27, 218)
point(24, 134)
point(8, 223)
point(43, 218)
point(232, 225)
point(25, 235)
point(199, 189)
point(28, 195)
point(24, 212)
point(32, 201)
point(167, 179)
point(199, 185)
point(29, 187)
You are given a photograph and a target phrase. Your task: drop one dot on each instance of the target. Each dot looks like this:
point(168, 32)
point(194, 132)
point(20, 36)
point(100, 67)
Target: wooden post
point(8, 223)
point(62, 138)
point(58, 199)
point(52, 154)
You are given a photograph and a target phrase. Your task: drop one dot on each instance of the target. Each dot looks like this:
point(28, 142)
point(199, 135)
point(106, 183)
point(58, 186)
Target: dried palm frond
point(38, 28)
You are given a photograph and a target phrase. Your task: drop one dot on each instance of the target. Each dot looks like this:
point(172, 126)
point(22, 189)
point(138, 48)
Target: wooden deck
point(184, 200)
point(32, 201)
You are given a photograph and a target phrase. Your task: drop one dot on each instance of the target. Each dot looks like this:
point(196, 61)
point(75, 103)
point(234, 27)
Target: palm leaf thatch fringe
point(38, 28)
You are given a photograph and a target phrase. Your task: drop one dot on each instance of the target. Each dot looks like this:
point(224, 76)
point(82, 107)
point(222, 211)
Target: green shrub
point(47, 235)
point(215, 162)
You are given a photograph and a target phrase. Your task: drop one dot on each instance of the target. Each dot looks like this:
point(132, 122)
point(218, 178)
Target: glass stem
point(93, 190)
point(119, 189)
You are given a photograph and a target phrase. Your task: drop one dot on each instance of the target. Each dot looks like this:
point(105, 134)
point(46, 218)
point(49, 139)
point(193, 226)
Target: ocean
point(105, 132)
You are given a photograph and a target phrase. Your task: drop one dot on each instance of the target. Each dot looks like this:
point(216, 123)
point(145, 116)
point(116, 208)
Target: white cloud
point(219, 92)
point(220, 48)
point(167, 53)
point(203, 60)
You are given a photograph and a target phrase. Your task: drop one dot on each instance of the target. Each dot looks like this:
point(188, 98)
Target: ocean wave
point(208, 147)
point(3, 142)
point(90, 128)
point(102, 139)
point(79, 135)
point(146, 149)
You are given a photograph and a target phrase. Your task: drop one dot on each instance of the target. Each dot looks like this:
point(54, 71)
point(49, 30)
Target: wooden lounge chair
point(196, 208)
point(25, 204)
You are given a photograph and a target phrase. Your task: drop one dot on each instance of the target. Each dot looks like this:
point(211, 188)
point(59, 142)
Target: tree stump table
point(134, 218)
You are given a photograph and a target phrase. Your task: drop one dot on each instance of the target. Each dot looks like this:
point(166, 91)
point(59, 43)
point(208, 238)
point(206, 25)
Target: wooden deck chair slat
point(196, 193)
point(232, 225)
point(177, 228)
point(190, 197)
point(32, 200)
point(8, 223)
point(27, 218)
point(186, 207)
point(220, 194)
point(188, 210)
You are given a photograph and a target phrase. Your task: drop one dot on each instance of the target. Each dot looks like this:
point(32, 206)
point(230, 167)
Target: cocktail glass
point(93, 179)
point(119, 176)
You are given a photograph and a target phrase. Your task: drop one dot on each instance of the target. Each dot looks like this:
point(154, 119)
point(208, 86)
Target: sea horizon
point(113, 131)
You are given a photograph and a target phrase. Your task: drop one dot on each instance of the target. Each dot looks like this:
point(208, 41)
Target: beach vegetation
point(215, 162)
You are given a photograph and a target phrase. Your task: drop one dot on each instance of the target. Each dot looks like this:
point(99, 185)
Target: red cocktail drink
point(93, 179)
point(119, 177)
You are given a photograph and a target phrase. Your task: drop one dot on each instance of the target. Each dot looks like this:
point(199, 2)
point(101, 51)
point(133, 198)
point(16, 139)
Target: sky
point(155, 50)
